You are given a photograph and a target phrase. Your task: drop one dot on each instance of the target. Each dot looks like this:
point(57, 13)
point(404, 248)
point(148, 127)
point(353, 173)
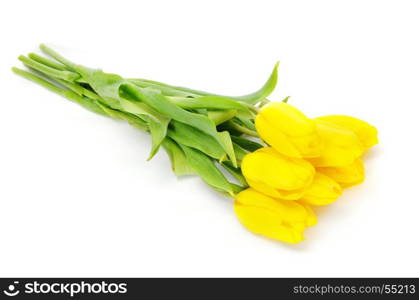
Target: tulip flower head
point(341, 147)
point(274, 218)
point(346, 176)
point(324, 190)
point(288, 130)
point(366, 133)
point(277, 175)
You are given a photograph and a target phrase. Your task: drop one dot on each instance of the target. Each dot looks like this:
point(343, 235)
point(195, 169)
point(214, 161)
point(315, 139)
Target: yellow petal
point(340, 146)
point(273, 218)
point(324, 190)
point(286, 211)
point(311, 217)
point(276, 193)
point(346, 176)
point(270, 168)
point(365, 132)
point(288, 130)
point(263, 222)
point(274, 137)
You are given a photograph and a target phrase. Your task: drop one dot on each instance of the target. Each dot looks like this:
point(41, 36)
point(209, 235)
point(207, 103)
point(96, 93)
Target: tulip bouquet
point(272, 159)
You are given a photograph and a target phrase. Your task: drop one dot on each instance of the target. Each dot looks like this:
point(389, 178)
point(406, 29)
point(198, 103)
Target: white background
point(77, 197)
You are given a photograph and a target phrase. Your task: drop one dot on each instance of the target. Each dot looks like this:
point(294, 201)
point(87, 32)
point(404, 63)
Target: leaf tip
point(152, 153)
point(285, 100)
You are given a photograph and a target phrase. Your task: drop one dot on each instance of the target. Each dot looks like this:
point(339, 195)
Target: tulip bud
point(366, 133)
point(277, 175)
point(324, 190)
point(340, 147)
point(346, 176)
point(273, 218)
point(288, 130)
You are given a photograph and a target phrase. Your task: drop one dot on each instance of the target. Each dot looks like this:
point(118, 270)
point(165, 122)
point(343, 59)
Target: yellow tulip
point(277, 175)
point(273, 218)
point(366, 133)
point(288, 130)
point(340, 147)
point(346, 176)
point(324, 190)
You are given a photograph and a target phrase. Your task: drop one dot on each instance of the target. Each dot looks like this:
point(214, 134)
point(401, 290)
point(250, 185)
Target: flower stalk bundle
point(280, 162)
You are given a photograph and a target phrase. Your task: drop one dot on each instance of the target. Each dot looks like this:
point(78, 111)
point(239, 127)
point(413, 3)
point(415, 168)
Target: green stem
point(263, 103)
point(90, 102)
point(47, 62)
point(252, 107)
point(51, 72)
point(58, 57)
point(243, 129)
point(70, 95)
point(167, 91)
point(79, 89)
point(178, 88)
point(39, 80)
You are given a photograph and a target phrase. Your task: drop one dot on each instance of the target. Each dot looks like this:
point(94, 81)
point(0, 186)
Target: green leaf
point(77, 88)
point(158, 133)
point(108, 87)
point(246, 122)
point(252, 98)
point(194, 138)
point(239, 151)
point(169, 88)
point(165, 107)
point(136, 122)
point(208, 102)
point(227, 126)
point(105, 84)
point(235, 172)
point(228, 145)
point(180, 166)
point(133, 120)
point(263, 92)
point(220, 116)
point(236, 189)
point(206, 169)
point(157, 123)
point(247, 144)
point(165, 90)
point(111, 87)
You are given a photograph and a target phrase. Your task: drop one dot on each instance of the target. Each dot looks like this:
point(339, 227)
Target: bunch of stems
point(158, 108)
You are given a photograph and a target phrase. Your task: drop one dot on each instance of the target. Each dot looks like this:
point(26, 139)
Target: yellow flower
point(346, 176)
point(324, 190)
point(366, 133)
point(277, 175)
point(273, 218)
point(340, 147)
point(288, 130)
